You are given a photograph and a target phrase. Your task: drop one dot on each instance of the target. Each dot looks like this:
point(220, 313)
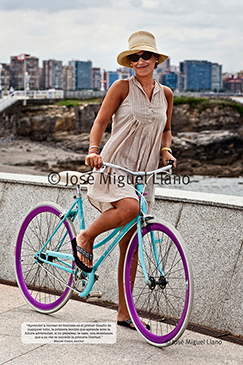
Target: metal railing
point(40, 94)
point(10, 99)
point(6, 101)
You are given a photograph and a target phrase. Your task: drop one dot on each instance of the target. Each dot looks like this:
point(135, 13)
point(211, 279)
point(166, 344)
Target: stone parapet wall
point(211, 226)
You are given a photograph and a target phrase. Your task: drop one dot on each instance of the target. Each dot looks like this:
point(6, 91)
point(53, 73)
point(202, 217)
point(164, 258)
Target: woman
point(141, 109)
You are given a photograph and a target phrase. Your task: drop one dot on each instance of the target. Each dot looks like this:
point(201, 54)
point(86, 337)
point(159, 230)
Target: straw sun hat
point(137, 42)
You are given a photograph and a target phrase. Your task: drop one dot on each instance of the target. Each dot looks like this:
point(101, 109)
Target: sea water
point(205, 184)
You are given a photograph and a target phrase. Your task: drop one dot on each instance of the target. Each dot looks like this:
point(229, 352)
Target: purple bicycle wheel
point(45, 287)
point(164, 304)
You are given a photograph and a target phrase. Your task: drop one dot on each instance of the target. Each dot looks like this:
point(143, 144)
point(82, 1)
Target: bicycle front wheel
point(44, 286)
point(164, 303)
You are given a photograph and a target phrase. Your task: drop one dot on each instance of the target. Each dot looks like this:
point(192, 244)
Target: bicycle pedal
point(93, 297)
point(97, 295)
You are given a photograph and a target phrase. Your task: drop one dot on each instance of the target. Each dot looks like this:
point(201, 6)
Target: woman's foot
point(125, 321)
point(128, 323)
point(123, 318)
point(83, 247)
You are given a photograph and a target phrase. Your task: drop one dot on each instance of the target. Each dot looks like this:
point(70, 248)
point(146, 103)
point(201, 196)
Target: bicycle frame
point(77, 209)
point(159, 305)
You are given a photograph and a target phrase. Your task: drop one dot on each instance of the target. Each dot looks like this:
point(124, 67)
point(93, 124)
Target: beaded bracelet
point(166, 149)
point(97, 153)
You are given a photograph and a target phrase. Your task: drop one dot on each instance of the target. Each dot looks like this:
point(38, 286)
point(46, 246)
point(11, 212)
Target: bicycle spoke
point(162, 301)
point(45, 286)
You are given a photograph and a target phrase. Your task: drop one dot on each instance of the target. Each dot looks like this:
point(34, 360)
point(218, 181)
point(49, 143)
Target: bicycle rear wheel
point(165, 302)
point(45, 287)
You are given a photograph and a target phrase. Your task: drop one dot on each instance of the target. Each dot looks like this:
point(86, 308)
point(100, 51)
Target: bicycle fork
point(153, 239)
point(151, 281)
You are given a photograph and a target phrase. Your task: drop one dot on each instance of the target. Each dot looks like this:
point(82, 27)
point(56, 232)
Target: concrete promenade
point(129, 348)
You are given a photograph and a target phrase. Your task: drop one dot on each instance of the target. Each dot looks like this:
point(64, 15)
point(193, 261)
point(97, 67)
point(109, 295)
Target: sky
point(98, 30)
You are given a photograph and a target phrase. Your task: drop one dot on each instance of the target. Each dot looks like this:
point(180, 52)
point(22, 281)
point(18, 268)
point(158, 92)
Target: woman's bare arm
point(167, 137)
point(114, 97)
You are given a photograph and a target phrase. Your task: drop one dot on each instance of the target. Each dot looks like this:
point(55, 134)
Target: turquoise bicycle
point(158, 281)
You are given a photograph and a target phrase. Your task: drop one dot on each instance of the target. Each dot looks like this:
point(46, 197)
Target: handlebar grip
point(170, 162)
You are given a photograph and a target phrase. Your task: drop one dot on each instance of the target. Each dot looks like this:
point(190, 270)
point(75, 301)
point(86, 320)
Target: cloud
point(52, 6)
point(136, 3)
point(209, 30)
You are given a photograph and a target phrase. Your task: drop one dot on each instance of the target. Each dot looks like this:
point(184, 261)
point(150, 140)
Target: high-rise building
point(161, 69)
point(68, 78)
point(181, 81)
point(6, 66)
point(52, 74)
point(83, 74)
point(112, 76)
point(170, 79)
point(96, 78)
point(104, 79)
point(201, 75)
point(124, 73)
point(198, 74)
point(216, 77)
point(19, 65)
point(5, 76)
point(32, 65)
point(165, 66)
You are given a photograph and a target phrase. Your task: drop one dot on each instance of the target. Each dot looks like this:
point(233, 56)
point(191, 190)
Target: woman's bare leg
point(123, 212)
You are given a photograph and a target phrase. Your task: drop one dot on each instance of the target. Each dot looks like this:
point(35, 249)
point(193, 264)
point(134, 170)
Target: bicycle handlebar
point(137, 173)
point(64, 176)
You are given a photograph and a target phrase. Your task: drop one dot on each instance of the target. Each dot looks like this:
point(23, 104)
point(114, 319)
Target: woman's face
point(144, 67)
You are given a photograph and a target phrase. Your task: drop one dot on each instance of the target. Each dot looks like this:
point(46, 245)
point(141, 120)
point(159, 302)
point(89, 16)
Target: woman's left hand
point(166, 156)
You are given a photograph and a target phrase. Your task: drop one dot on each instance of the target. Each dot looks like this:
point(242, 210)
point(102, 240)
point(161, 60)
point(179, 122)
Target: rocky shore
point(207, 138)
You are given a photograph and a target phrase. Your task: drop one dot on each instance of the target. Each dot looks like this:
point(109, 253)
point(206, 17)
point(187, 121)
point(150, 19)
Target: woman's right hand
point(94, 160)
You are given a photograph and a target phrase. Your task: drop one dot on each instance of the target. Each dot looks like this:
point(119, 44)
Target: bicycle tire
point(38, 281)
point(166, 303)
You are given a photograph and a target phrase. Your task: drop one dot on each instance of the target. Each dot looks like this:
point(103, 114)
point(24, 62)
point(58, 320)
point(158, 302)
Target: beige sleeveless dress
point(135, 141)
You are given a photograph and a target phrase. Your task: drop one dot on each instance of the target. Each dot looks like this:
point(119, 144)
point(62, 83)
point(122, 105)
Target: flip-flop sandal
point(128, 323)
point(83, 252)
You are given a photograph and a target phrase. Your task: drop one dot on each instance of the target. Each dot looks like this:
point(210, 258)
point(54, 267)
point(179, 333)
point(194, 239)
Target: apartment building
point(198, 74)
point(233, 84)
point(52, 74)
point(181, 81)
point(96, 78)
point(165, 66)
point(5, 76)
point(68, 78)
point(21, 64)
point(112, 76)
point(170, 79)
point(83, 74)
point(216, 77)
point(201, 75)
point(124, 73)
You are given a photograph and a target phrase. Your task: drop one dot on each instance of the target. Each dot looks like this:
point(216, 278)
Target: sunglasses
point(145, 56)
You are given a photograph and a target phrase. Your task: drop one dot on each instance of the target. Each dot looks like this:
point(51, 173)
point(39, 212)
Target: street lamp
point(102, 80)
point(27, 82)
point(26, 86)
